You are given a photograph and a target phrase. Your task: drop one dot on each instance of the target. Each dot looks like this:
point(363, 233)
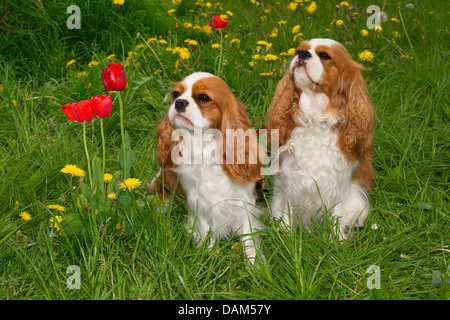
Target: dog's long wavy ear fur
point(284, 106)
point(352, 100)
point(166, 180)
point(239, 141)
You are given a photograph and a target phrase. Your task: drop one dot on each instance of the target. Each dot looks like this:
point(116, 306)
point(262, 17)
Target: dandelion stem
point(87, 153)
point(123, 136)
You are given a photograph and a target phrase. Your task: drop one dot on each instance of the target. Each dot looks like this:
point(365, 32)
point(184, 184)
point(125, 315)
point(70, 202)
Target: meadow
point(124, 248)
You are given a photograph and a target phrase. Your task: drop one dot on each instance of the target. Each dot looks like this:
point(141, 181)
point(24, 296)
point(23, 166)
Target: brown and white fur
point(220, 191)
point(325, 123)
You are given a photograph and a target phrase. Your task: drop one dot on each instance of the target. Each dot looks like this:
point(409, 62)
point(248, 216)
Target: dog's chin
point(302, 79)
point(181, 122)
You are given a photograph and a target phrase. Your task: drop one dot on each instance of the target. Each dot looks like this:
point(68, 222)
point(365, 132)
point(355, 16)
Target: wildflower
point(395, 20)
point(230, 13)
point(112, 196)
point(119, 227)
point(114, 78)
point(298, 35)
point(54, 223)
point(312, 8)
point(339, 22)
point(73, 170)
point(364, 32)
point(81, 74)
point(187, 25)
point(92, 64)
point(107, 177)
point(409, 6)
point(274, 33)
point(344, 4)
point(257, 57)
point(110, 56)
point(191, 42)
point(1, 88)
point(130, 184)
point(374, 226)
point(218, 23)
point(378, 29)
point(235, 41)
point(215, 45)
point(25, 216)
point(270, 57)
point(292, 6)
point(295, 29)
point(175, 2)
point(405, 56)
point(119, 2)
point(291, 51)
point(251, 63)
point(56, 207)
point(282, 23)
point(396, 34)
point(366, 55)
point(266, 74)
point(171, 11)
point(207, 29)
point(70, 63)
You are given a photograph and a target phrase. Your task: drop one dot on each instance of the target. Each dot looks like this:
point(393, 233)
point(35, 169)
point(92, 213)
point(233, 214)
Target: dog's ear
point(282, 109)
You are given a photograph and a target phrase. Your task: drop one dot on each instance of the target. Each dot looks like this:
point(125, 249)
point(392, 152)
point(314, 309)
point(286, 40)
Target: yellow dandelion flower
point(339, 22)
point(274, 33)
point(119, 227)
point(1, 88)
point(344, 4)
point(54, 223)
point(207, 29)
point(396, 34)
point(364, 32)
point(257, 57)
point(366, 55)
point(175, 2)
point(270, 57)
point(291, 51)
point(312, 7)
point(292, 6)
point(82, 74)
point(192, 42)
point(14, 102)
point(215, 46)
point(119, 2)
point(171, 11)
point(266, 74)
point(378, 29)
point(162, 41)
point(140, 46)
point(282, 23)
point(56, 207)
point(130, 184)
point(184, 53)
point(110, 56)
point(229, 13)
point(235, 41)
point(92, 64)
point(150, 40)
point(73, 170)
point(296, 29)
point(187, 25)
point(107, 177)
point(395, 20)
point(251, 63)
point(298, 35)
point(112, 196)
point(70, 63)
point(25, 216)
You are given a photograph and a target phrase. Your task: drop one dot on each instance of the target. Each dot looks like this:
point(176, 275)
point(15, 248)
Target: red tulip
point(219, 23)
point(79, 111)
point(114, 78)
point(102, 106)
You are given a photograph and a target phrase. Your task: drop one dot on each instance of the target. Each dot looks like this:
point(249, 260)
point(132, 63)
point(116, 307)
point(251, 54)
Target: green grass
point(153, 257)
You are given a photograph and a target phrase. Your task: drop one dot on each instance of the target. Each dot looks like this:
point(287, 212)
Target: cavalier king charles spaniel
point(325, 124)
point(208, 153)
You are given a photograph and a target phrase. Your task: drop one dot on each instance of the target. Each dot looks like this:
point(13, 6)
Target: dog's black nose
point(304, 54)
point(180, 105)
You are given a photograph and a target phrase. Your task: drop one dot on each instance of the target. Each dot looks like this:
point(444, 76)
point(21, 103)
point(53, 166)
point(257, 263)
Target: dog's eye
point(175, 94)
point(324, 56)
point(203, 98)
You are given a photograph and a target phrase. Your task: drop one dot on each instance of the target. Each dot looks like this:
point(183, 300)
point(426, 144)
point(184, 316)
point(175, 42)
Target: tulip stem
point(87, 153)
point(103, 146)
point(219, 71)
point(123, 136)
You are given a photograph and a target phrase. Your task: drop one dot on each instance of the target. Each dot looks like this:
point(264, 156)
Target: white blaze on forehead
point(322, 42)
point(193, 78)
